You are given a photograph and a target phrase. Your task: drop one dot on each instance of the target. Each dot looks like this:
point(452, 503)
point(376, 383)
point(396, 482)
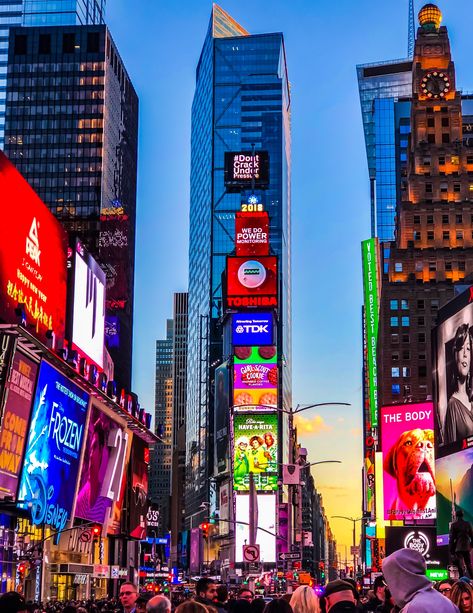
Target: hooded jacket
point(404, 571)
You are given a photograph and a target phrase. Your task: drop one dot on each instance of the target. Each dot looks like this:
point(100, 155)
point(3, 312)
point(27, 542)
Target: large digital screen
point(116, 524)
point(407, 441)
point(369, 250)
point(453, 373)
point(252, 329)
point(255, 439)
point(244, 169)
point(139, 488)
point(251, 233)
point(33, 252)
point(266, 522)
point(88, 319)
point(252, 282)
point(419, 538)
point(454, 490)
point(14, 425)
point(57, 430)
point(222, 417)
point(103, 465)
point(255, 378)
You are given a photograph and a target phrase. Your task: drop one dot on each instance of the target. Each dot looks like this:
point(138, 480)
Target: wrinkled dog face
point(411, 462)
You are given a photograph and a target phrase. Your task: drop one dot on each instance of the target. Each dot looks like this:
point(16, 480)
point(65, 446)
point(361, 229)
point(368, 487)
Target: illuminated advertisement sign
point(255, 451)
point(453, 373)
point(266, 524)
point(116, 524)
point(369, 249)
point(420, 539)
point(88, 319)
point(252, 282)
point(14, 425)
point(103, 465)
point(224, 509)
point(255, 377)
point(52, 457)
point(407, 440)
point(251, 234)
point(252, 329)
point(244, 169)
point(454, 490)
point(222, 414)
point(33, 252)
point(139, 488)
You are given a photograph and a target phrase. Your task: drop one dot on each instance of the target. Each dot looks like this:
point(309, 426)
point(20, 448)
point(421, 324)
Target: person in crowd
point(405, 574)
point(278, 605)
point(206, 591)
point(257, 605)
point(246, 594)
point(12, 602)
point(444, 587)
point(140, 605)
point(222, 596)
point(462, 595)
point(191, 606)
point(128, 595)
point(69, 608)
point(339, 597)
point(461, 539)
point(158, 604)
point(304, 600)
point(378, 597)
point(459, 417)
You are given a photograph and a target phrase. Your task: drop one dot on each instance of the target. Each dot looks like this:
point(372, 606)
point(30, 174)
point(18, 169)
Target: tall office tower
point(71, 129)
point(38, 12)
point(179, 376)
point(160, 469)
point(433, 250)
point(241, 102)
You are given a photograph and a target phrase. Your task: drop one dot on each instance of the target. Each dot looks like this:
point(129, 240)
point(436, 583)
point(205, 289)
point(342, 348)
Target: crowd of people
point(403, 587)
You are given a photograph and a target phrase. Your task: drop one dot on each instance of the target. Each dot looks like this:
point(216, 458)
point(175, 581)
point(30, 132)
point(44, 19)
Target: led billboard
point(49, 475)
point(139, 488)
point(88, 305)
point(453, 373)
point(420, 539)
point(407, 441)
point(369, 250)
point(252, 329)
point(246, 169)
point(14, 424)
point(255, 451)
point(103, 465)
point(116, 525)
point(222, 417)
point(33, 252)
point(266, 533)
point(252, 282)
point(255, 355)
point(251, 233)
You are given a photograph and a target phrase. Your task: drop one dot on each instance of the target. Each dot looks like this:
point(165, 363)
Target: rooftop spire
point(412, 30)
point(224, 26)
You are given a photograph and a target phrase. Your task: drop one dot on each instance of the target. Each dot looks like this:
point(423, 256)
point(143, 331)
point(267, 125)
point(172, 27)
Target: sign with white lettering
point(252, 233)
point(369, 249)
point(244, 169)
point(253, 329)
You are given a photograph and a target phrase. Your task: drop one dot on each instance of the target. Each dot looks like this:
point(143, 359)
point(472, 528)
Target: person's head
point(352, 582)
point(140, 605)
point(243, 444)
point(245, 594)
point(444, 587)
point(191, 606)
point(12, 602)
point(461, 353)
point(257, 605)
point(304, 600)
point(338, 591)
point(462, 596)
point(96, 447)
point(158, 604)
point(459, 513)
point(128, 594)
point(405, 574)
point(268, 439)
point(278, 605)
point(379, 588)
point(222, 592)
point(256, 442)
point(206, 588)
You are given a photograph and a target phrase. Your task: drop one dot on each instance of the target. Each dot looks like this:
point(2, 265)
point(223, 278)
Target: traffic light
point(96, 532)
point(205, 530)
point(322, 571)
point(21, 570)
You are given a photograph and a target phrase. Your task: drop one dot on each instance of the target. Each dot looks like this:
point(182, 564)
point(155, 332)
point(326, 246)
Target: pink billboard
point(255, 376)
point(407, 441)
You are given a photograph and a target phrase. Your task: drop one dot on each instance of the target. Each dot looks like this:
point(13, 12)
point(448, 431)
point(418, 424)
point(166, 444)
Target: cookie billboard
point(407, 440)
point(255, 451)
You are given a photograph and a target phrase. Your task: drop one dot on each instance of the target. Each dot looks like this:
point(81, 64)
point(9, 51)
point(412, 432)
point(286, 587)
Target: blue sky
point(160, 43)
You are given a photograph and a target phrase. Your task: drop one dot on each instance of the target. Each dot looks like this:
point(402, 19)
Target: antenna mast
point(412, 30)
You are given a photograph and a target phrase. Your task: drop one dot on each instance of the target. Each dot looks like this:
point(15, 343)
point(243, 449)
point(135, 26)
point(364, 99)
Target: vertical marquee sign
point(369, 249)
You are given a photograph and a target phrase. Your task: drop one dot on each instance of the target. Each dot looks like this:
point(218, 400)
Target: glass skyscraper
point(241, 101)
point(41, 12)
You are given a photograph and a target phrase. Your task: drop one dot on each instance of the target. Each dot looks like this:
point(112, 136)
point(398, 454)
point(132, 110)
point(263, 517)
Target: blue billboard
point(57, 430)
point(253, 329)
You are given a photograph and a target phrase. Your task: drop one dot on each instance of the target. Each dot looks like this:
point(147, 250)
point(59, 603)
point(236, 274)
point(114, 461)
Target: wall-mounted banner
point(369, 249)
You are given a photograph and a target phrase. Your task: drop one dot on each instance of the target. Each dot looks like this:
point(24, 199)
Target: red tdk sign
point(252, 234)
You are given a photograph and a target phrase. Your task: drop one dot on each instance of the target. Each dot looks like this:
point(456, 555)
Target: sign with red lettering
point(252, 234)
point(252, 281)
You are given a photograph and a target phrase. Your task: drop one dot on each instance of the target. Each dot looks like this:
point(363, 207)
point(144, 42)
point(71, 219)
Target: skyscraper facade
point(71, 129)
point(241, 103)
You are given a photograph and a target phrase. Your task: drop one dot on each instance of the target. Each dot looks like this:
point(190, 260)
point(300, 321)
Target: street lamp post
point(354, 520)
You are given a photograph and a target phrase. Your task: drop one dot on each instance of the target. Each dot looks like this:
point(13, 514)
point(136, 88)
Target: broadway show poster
point(102, 468)
point(256, 451)
point(139, 488)
point(14, 425)
point(407, 439)
point(57, 431)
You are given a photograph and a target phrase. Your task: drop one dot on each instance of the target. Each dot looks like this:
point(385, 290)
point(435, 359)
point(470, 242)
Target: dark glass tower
point(71, 129)
point(241, 100)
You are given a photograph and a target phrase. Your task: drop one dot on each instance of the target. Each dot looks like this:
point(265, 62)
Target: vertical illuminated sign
point(370, 286)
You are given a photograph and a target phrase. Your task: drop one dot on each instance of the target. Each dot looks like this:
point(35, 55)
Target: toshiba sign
point(32, 257)
point(252, 282)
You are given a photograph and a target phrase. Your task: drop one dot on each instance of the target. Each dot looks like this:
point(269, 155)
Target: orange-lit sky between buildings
point(160, 43)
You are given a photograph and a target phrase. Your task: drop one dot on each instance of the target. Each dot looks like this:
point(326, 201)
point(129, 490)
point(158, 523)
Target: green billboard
point(369, 249)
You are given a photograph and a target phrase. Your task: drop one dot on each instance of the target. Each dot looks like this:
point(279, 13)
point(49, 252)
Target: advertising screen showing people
point(53, 450)
point(407, 440)
point(255, 451)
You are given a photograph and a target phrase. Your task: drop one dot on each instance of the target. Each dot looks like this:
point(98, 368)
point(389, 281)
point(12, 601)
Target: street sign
point(251, 553)
point(289, 555)
point(355, 551)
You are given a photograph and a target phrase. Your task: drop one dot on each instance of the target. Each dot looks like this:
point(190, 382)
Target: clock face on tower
point(435, 84)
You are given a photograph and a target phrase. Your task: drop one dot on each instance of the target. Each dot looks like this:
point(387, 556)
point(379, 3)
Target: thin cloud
point(312, 425)
point(356, 432)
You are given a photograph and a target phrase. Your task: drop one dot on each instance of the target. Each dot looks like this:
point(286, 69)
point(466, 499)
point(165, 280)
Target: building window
point(461, 265)
point(443, 188)
point(422, 356)
point(434, 304)
point(446, 235)
point(394, 305)
point(421, 304)
point(445, 122)
point(421, 337)
point(404, 305)
point(394, 339)
point(398, 266)
point(421, 321)
point(416, 218)
point(432, 266)
point(456, 187)
point(394, 322)
point(93, 42)
point(406, 338)
point(406, 354)
point(430, 219)
point(428, 188)
point(422, 370)
point(20, 44)
point(417, 235)
point(406, 371)
point(445, 219)
point(430, 235)
point(459, 218)
point(419, 266)
point(430, 122)
point(445, 137)
point(431, 138)
point(44, 44)
point(395, 372)
point(396, 388)
point(441, 160)
point(448, 266)
point(68, 42)
point(426, 161)
point(405, 321)
point(395, 357)
point(459, 235)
